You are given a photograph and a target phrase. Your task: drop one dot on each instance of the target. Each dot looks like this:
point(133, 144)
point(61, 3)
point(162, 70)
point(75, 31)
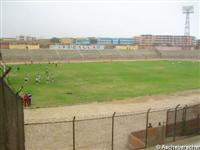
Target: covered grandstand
point(47, 55)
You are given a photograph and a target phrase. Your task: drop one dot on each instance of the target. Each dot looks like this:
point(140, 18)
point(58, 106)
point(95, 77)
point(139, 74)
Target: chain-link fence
point(126, 131)
point(11, 118)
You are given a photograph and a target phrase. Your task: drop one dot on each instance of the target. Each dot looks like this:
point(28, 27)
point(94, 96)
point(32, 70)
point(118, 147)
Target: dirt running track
point(95, 134)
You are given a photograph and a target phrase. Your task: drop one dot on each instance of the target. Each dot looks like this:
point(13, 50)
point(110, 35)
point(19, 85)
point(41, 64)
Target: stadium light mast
point(187, 10)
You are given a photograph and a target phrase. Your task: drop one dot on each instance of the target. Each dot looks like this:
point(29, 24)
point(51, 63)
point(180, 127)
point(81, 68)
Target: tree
point(55, 40)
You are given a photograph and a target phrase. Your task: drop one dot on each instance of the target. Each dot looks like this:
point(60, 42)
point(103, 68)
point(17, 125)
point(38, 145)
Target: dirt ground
point(138, 104)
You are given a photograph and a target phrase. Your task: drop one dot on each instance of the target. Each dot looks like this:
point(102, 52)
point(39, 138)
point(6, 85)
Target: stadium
point(115, 84)
point(98, 92)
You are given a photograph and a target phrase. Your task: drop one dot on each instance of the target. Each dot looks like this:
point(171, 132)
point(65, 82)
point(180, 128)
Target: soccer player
point(48, 79)
point(26, 78)
point(52, 78)
point(37, 78)
point(46, 72)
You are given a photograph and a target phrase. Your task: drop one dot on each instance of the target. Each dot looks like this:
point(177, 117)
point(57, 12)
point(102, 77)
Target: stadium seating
point(67, 55)
point(47, 55)
point(43, 55)
point(180, 54)
point(146, 54)
point(127, 54)
point(18, 55)
point(91, 54)
point(110, 54)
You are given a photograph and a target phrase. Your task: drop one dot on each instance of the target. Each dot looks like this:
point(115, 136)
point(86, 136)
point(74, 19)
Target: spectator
point(26, 100)
point(150, 125)
point(30, 99)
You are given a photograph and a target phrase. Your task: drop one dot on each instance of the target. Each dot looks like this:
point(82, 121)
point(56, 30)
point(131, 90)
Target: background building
point(126, 41)
point(77, 47)
point(104, 41)
point(44, 43)
point(150, 41)
point(67, 41)
point(25, 38)
point(127, 47)
point(146, 41)
point(137, 39)
point(93, 40)
point(82, 41)
point(22, 45)
point(8, 39)
point(115, 41)
point(198, 44)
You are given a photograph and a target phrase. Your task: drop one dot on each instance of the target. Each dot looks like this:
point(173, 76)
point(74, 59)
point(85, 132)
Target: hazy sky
point(113, 18)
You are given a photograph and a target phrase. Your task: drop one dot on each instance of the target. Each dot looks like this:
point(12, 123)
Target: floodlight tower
point(187, 10)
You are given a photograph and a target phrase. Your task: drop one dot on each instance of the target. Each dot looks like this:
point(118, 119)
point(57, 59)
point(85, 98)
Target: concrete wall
point(154, 136)
point(77, 47)
point(127, 47)
point(168, 48)
point(24, 46)
point(34, 46)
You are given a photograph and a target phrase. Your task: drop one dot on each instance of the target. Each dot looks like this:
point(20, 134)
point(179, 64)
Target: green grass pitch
point(76, 83)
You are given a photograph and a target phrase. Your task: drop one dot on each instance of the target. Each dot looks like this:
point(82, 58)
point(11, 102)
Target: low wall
point(158, 135)
point(155, 136)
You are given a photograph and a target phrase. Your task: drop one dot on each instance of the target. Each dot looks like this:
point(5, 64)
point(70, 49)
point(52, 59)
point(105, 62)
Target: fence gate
point(192, 120)
point(183, 121)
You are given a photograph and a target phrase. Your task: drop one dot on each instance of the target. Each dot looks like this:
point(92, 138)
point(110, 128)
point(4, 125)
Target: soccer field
point(76, 83)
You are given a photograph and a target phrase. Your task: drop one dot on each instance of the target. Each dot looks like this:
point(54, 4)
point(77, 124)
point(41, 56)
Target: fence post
point(175, 122)
point(147, 121)
point(163, 132)
point(198, 123)
point(184, 119)
point(74, 133)
point(113, 123)
point(167, 121)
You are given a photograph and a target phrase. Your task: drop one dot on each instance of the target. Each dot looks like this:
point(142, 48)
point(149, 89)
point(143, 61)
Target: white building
point(25, 38)
point(77, 47)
